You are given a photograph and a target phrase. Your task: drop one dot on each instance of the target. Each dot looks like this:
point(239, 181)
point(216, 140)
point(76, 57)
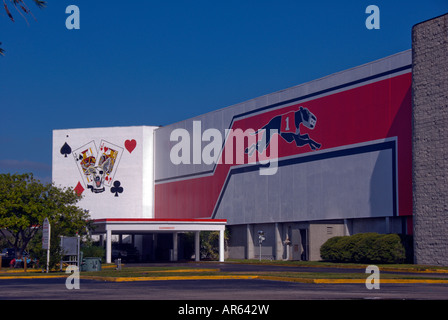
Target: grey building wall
point(354, 186)
point(312, 197)
point(430, 140)
point(319, 233)
point(283, 241)
point(324, 184)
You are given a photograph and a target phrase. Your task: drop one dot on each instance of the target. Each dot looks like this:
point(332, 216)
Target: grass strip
point(323, 264)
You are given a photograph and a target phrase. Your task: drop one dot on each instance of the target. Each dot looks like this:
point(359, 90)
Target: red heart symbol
point(130, 145)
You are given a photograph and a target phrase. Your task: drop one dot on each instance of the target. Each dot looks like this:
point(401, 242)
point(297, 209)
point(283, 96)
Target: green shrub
point(329, 250)
point(364, 248)
point(344, 247)
point(91, 250)
point(389, 249)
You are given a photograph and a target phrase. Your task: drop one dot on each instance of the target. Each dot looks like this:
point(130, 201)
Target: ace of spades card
point(110, 154)
point(86, 157)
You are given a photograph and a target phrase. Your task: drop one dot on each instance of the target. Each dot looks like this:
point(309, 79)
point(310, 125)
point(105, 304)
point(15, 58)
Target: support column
point(387, 224)
point(347, 227)
point(221, 245)
point(154, 246)
point(430, 141)
point(249, 242)
point(175, 249)
point(278, 242)
point(197, 247)
point(108, 246)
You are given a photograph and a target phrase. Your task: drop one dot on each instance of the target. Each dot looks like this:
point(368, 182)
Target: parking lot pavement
point(55, 289)
point(171, 299)
point(172, 294)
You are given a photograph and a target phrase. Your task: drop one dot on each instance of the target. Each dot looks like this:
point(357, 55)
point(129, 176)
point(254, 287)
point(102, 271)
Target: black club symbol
point(116, 188)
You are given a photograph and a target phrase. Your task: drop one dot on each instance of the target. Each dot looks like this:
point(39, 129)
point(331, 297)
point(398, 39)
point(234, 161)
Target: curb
point(183, 270)
point(236, 277)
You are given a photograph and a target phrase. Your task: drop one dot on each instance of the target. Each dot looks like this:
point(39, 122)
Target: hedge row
point(364, 248)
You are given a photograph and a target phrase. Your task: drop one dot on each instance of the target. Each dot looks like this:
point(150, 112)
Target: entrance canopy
point(174, 226)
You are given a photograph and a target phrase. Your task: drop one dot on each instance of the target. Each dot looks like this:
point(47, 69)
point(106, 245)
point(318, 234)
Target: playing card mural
point(111, 167)
point(97, 167)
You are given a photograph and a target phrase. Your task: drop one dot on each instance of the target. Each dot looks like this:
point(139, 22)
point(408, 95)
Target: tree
point(21, 7)
point(24, 204)
point(210, 243)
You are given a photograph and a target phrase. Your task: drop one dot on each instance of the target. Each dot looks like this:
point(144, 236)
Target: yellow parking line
point(348, 281)
point(182, 270)
point(32, 277)
point(124, 279)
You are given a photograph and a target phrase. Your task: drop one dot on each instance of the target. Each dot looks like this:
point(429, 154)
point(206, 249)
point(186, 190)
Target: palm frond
point(40, 3)
point(7, 11)
point(20, 6)
point(17, 2)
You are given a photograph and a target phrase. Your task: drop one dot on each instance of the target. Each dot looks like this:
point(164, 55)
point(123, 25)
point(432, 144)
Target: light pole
point(261, 238)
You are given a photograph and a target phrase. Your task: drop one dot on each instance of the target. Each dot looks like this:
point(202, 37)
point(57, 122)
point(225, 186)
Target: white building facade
point(113, 170)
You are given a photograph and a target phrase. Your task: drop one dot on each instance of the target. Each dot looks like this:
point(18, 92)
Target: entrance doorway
point(304, 241)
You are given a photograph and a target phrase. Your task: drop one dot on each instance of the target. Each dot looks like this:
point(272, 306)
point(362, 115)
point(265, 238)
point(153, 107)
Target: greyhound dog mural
point(98, 174)
point(288, 127)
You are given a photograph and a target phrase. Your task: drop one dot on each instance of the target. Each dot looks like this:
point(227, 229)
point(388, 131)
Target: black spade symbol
point(65, 150)
point(116, 188)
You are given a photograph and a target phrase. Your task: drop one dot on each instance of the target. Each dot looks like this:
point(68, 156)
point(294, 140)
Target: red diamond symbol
point(79, 188)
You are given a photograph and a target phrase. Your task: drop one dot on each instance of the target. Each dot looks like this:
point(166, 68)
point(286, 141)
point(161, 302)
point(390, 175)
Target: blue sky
point(158, 62)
